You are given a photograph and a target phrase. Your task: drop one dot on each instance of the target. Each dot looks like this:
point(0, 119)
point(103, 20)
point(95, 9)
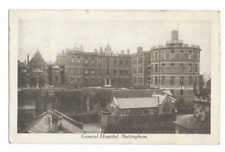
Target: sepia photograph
point(114, 76)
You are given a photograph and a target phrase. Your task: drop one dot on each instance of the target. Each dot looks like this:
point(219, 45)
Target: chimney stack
point(122, 52)
point(54, 126)
point(28, 59)
point(174, 35)
point(139, 49)
point(60, 124)
point(128, 51)
point(47, 123)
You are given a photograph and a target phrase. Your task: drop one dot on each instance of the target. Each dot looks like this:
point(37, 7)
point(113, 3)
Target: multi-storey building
point(174, 66)
point(99, 68)
point(139, 66)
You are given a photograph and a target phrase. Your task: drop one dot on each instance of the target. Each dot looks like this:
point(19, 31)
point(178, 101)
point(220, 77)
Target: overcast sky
point(52, 36)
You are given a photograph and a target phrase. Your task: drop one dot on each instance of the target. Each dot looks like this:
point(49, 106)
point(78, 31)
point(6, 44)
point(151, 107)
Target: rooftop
point(129, 103)
point(68, 124)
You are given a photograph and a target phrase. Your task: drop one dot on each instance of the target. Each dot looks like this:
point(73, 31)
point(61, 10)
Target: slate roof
point(68, 124)
point(129, 103)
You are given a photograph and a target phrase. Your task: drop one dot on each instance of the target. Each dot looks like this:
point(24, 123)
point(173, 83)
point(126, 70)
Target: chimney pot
point(47, 122)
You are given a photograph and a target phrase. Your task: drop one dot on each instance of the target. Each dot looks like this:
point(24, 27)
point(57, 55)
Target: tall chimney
point(174, 35)
point(139, 49)
point(60, 124)
point(122, 52)
point(47, 123)
point(54, 126)
point(28, 59)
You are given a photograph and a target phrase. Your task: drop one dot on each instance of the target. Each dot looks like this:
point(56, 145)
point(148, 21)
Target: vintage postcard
point(114, 77)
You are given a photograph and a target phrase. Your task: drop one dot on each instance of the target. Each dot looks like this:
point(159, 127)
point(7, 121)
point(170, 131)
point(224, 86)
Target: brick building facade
point(174, 66)
point(140, 72)
point(99, 68)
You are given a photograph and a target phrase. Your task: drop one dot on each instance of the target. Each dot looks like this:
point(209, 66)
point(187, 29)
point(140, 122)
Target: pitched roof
point(132, 93)
point(130, 103)
point(68, 124)
point(36, 56)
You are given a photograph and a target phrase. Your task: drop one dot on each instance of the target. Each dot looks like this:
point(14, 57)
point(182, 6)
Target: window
point(121, 72)
point(195, 54)
point(172, 67)
point(126, 62)
point(190, 80)
point(99, 60)
point(140, 60)
point(115, 61)
point(78, 59)
point(156, 68)
point(126, 72)
point(181, 80)
point(182, 54)
point(92, 61)
point(163, 67)
point(92, 71)
point(72, 72)
point(156, 80)
point(181, 92)
point(107, 61)
point(190, 68)
point(71, 80)
point(140, 69)
point(140, 80)
point(177, 55)
point(72, 59)
point(195, 80)
point(181, 67)
point(114, 72)
point(121, 61)
point(107, 71)
point(156, 55)
point(134, 61)
point(172, 54)
point(86, 71)
point(163, 80)
point(190, 55)
point(86, 60)
point(167, 55)
point(171, 80)
point(159, 54)
point(164, 54)
point(78, 79)
point(186, 55)
point(196, 68)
